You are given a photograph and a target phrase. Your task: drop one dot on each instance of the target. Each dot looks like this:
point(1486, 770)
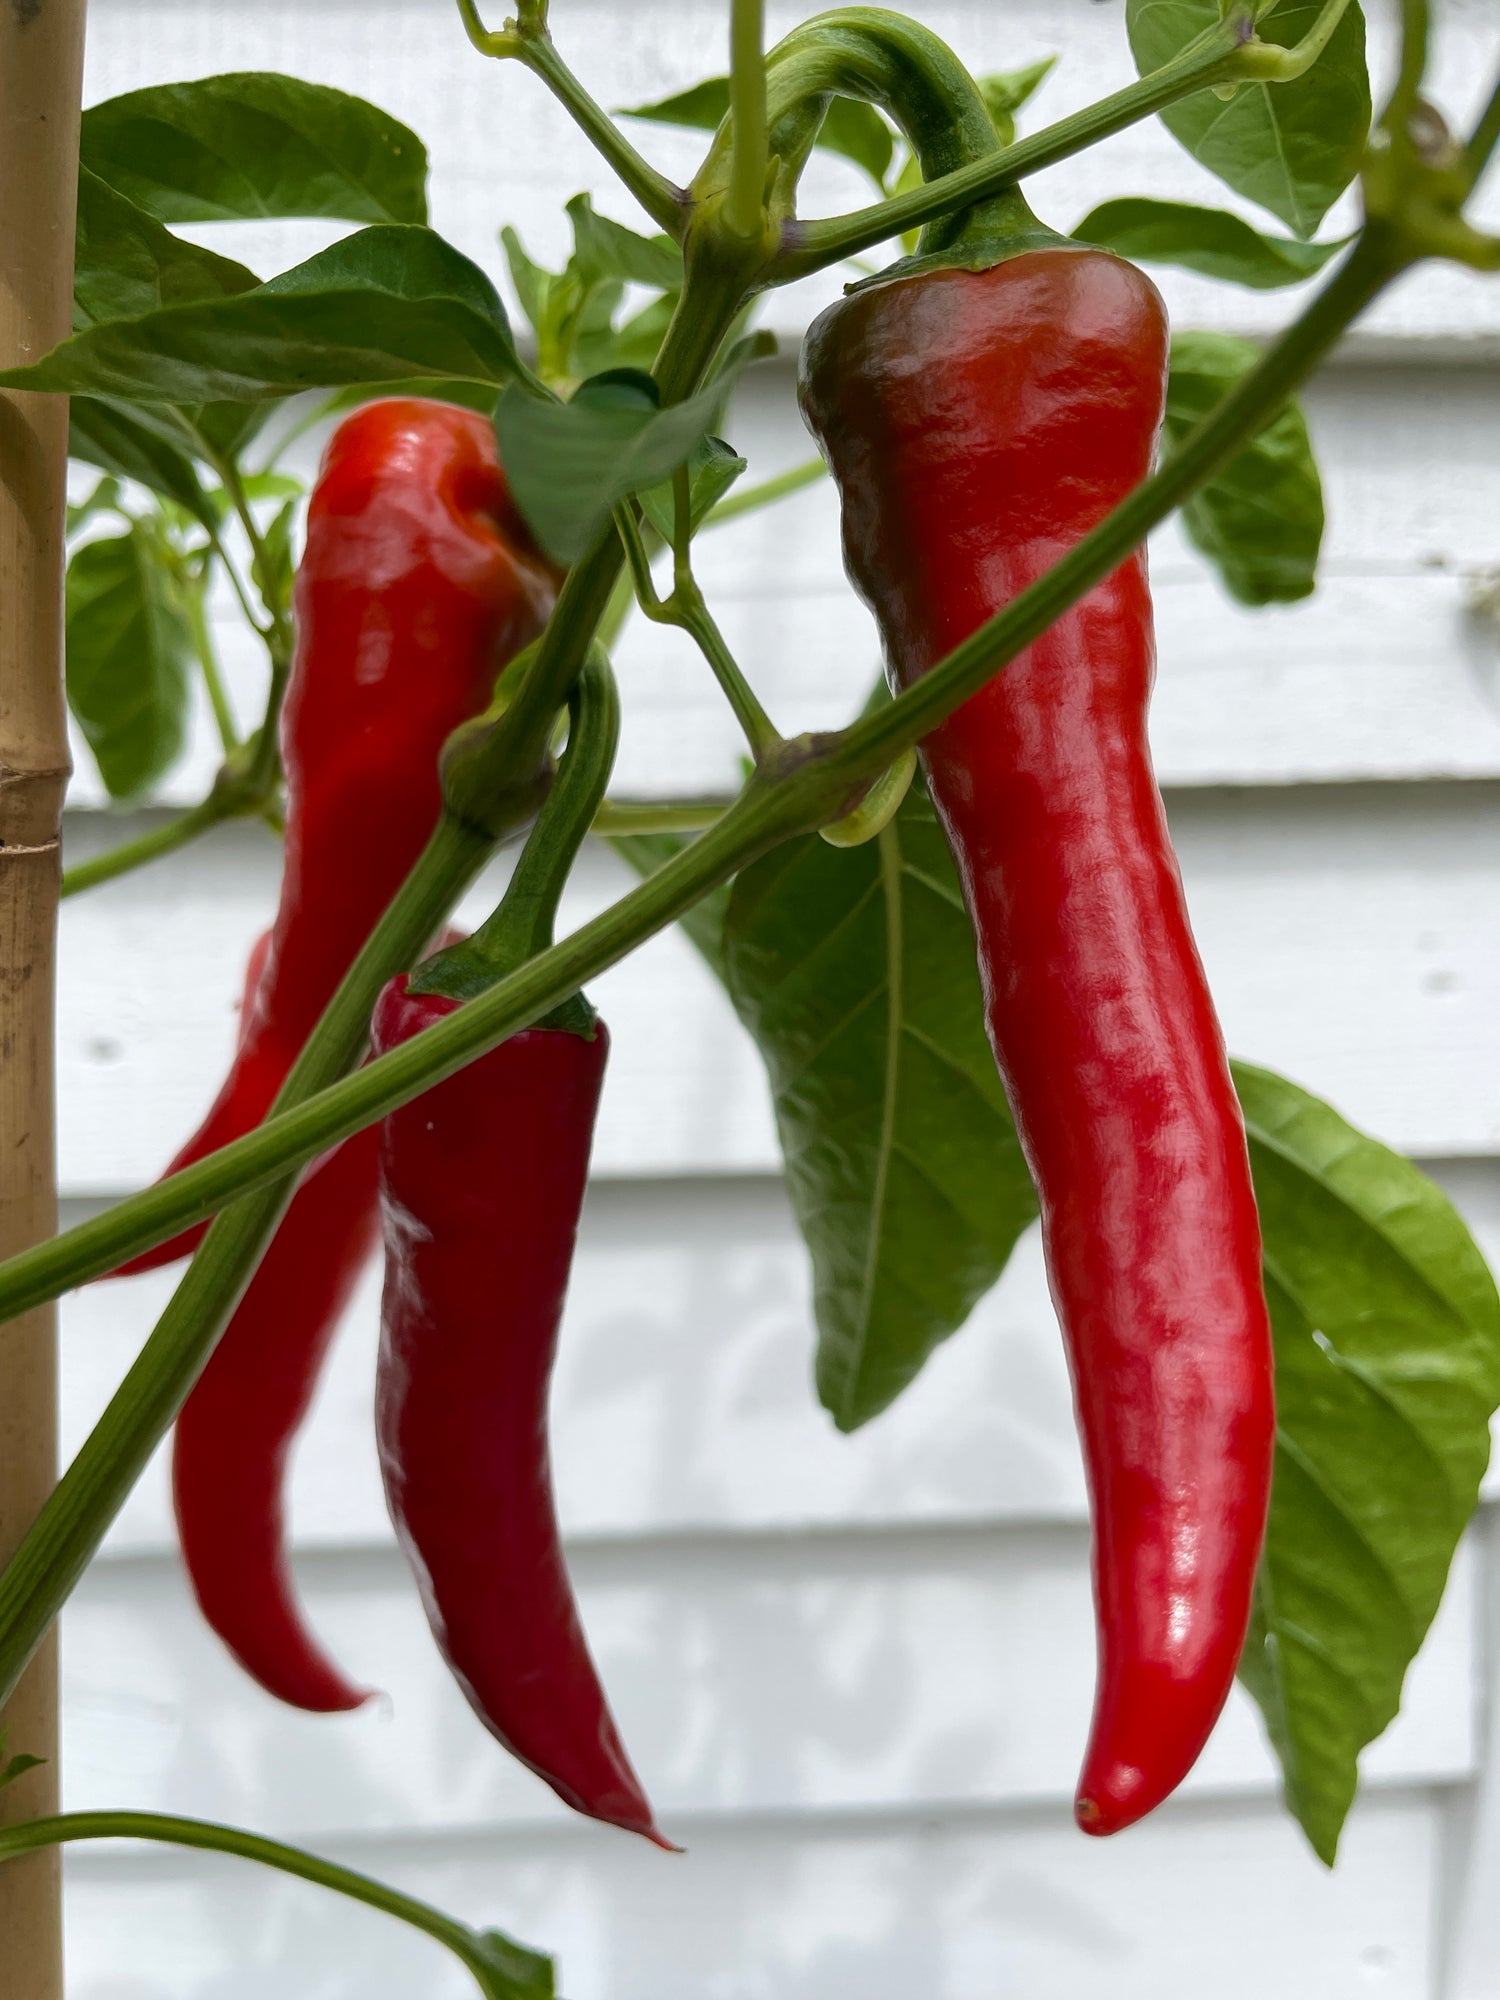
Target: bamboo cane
point(41, 52)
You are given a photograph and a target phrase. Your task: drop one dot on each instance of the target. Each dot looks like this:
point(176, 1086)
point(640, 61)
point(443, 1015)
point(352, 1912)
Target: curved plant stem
point(807, 784)
point(67, 1531)
point(1271, 64)
point(177, 832)
point(687, 609)
point(664, 202)
point(208, 662)
point(492, 771)
point(209, 1836)
point(810, 246)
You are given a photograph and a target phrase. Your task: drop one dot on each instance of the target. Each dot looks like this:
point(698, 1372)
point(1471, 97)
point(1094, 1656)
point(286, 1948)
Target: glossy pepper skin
point(234, 1433)
point(418, 583)
point(978, 425)
point(481, 1183)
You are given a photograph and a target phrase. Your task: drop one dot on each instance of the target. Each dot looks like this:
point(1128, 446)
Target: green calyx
point(884, 59)
point(523, 924)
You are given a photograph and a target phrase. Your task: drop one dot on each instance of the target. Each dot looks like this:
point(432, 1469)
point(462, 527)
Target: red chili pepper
point(417, 585)
point(235, 1431)
point(481, 1184)
point(419, 581)
point(979, 423)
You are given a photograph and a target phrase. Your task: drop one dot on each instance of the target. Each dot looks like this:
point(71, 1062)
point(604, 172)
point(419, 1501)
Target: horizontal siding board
point(1382, 674)
point(503, 152)
point(1338, 925)
point(683, 1401)
point(752, 1674)
point(1204, 1898)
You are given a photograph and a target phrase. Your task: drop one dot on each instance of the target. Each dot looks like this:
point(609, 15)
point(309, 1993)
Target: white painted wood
point(682, 1401)
point(1382, 675)
point(1470, 1931)
point(1337, 925)
point(750, 1674)
point(1210, 1898)
point(501, 151)
point(856, 1672)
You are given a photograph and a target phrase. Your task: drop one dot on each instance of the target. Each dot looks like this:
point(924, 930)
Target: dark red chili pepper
point(979, 423)
point(235, 1431)
point(419, 581)
point(481, 1184)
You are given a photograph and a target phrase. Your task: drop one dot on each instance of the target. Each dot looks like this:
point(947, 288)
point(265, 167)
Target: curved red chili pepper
point(419, 581)
point(234, 1433)
point(481, 1184)
point(978, 424)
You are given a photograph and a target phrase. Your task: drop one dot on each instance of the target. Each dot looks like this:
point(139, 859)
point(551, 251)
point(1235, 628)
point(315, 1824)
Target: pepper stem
point(526, 918)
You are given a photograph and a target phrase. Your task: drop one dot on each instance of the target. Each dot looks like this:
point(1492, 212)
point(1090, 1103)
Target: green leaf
point(702, 108)
point(606, 249)
point(854, 970)
point(715, 467)
point(17, 1766)
point(514, 1971)
point(1259, 521)
point(271, 566)
point(111, 438)
point(129, 649)
point(1207, 240)
point(104, 499)
point(570, 463)
point(383, 304)
point(1007, 90)
point(852, 129)
point(856, 131)
point(1387, 1333)
point(1291, 147)
point(704, 922)
point(238, 147)
point(126, 264)
point(533, 284)
point(635, 343)
point(480, 396)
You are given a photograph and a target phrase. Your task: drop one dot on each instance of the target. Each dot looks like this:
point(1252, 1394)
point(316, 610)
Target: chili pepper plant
point(1284, 1344)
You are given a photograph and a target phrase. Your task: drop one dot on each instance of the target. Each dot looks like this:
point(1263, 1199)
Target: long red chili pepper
point(419, 581)
point(417, 585)
point(979, 423)
point(481, 1184)
point(234, 1433)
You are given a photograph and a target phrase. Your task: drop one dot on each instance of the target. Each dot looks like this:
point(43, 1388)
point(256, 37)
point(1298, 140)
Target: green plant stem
point(1486, 136)
point(1270, 64)
point(208, 662)
point(810, 246)
point(687, 610)
point(68, 1530)
point(131, 854)
point(265, 761)
point(492, 771)
point(207, 1835)
point(619, 817)
point(743, 213)
point(1415, 27)
point(236, 581)
point(807, 785)
point(764, 494)
point(664, 202)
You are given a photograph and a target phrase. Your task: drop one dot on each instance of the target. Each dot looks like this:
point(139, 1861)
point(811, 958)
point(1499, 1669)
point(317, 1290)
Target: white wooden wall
point(855, 1673)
